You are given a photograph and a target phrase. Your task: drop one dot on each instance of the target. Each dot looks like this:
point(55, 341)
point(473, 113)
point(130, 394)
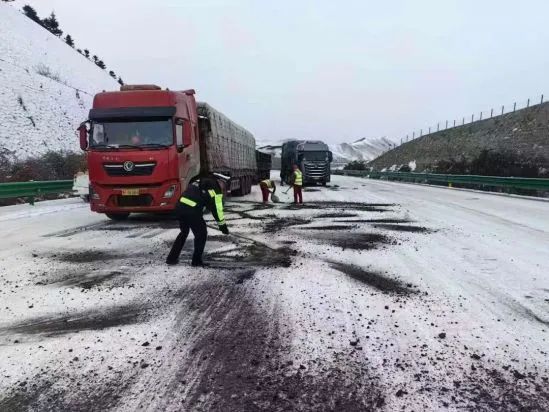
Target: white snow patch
point(41, 112)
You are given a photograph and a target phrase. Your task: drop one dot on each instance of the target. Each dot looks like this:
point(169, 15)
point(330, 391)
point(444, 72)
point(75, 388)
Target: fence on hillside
point(473, 118)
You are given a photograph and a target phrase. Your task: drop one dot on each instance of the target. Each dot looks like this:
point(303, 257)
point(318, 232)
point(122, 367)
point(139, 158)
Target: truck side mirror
point(83, 134)
point(330, 157)
point(179, 136)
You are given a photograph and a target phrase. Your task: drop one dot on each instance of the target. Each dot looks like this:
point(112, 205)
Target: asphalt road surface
point(371, 296)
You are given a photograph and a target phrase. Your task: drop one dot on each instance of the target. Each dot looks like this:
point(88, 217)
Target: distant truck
point(313, 158)
point(144, 145)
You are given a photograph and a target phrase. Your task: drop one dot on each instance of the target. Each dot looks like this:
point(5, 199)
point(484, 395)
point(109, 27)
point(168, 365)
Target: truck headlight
point(170, 192)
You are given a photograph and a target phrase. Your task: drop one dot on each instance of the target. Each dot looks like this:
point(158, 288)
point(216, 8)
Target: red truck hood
point(130, 167)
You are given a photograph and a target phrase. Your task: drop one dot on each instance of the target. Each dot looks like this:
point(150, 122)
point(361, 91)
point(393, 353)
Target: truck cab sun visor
point(132, 112)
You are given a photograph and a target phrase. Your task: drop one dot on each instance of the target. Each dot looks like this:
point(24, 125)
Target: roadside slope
point(523, 133)
point(46, 88)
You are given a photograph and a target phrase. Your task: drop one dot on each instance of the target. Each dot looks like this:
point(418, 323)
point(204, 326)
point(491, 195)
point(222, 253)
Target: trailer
point(264, 165)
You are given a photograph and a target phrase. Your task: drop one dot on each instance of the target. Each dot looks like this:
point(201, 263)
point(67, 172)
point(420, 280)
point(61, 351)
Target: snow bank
point(46, 88)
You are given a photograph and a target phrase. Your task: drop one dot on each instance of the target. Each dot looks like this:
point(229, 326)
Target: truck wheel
point(117, 216)
point(240, 190)
point(324, 183)
point(249, 185)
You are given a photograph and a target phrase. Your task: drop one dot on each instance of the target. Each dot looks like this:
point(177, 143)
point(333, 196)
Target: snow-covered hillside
point(46, 88)
point(361, 149)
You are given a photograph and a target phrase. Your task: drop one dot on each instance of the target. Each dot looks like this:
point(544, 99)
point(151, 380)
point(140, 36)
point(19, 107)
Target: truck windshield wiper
point(156, 145)
point(103, 146)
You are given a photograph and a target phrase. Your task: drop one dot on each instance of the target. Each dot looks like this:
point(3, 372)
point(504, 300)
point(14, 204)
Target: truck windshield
point(141, 133)
point(315, 156)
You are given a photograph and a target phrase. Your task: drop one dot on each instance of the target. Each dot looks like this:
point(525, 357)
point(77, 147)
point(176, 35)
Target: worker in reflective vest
point(297, 183)
point(267, 186)
point(200, 194)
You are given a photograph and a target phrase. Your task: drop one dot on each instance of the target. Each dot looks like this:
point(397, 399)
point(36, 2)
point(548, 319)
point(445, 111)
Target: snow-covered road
point(373, 295)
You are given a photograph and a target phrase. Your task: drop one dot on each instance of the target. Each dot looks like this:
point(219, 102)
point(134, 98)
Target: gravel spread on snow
point(372, 295)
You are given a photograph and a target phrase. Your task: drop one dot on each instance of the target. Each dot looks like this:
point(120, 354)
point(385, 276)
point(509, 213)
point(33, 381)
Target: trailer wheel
point(240, 190)
point(248, 185)
point(117, 216)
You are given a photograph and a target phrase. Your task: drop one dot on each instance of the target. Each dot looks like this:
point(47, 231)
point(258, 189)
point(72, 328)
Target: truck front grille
point(122, 169)
point(132, 201)
point(316, 170)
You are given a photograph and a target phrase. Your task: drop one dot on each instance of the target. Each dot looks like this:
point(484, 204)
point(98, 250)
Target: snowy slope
point(38, 112)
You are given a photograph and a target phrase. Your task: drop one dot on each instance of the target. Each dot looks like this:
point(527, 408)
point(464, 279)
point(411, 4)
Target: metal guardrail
point(31, 190)
point(488, 181)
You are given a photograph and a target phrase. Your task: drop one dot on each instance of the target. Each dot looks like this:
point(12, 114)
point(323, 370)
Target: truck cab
point(142, 149)
point(312, 157)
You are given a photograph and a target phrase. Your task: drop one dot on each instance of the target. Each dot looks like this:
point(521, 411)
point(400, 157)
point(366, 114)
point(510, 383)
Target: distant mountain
point(364, 149)
point(46, 88)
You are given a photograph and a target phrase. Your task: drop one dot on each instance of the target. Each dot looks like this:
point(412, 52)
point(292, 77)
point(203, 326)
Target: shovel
point(275, 198)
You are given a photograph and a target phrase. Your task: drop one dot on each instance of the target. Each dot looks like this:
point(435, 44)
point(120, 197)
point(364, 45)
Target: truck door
point(188, 151)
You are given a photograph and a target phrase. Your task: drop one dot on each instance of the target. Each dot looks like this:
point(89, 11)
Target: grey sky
point(332, 70)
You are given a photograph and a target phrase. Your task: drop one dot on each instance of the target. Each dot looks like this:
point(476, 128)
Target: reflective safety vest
point(298, 178)
point(267, 182)
point(195, 197)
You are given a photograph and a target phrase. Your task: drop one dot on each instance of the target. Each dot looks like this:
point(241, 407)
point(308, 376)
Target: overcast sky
point(332, 70)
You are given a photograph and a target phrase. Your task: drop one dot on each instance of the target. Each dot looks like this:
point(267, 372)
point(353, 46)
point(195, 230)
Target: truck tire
point(248, 185)
point(118, 216)
point(240, 190)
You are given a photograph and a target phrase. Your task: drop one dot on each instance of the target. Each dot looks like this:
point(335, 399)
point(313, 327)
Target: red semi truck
point(144, 145)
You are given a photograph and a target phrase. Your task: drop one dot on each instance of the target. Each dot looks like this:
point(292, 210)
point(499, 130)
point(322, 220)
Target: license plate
point(130, 192)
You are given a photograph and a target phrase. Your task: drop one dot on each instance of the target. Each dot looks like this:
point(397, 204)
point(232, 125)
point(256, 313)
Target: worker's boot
point(172, 262)
point(199, 264)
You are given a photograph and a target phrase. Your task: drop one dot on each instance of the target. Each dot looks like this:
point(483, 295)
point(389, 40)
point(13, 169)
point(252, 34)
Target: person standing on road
point(297, 183)
point(202, 193)
point(267, 186)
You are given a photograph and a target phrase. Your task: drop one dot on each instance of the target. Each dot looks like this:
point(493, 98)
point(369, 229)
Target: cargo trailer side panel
point(225, 147)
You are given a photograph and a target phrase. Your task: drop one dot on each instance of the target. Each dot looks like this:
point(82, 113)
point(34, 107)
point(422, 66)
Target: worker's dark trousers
point(195, 222)
point(298, 195)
